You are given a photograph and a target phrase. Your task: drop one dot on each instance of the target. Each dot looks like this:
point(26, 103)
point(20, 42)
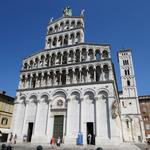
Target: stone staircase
point(123, 146)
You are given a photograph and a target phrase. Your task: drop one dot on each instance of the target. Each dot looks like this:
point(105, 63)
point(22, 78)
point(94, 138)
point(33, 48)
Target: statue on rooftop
point(67, 11)
point(82, 12)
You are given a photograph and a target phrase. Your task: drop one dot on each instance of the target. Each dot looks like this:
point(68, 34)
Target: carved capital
point(96, 98)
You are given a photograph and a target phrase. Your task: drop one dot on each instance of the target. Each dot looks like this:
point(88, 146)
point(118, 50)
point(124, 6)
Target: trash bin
point(80, 139)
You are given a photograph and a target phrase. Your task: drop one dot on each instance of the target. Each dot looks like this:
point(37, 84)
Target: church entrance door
point(90, 133)
point(58, 126)
point(30, 130)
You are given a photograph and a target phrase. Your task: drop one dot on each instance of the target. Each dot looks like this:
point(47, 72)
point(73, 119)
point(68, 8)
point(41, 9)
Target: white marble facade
point(74, 82)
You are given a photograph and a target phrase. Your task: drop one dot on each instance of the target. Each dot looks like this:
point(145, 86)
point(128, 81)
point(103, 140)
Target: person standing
point(58, 141)
point(89, 138)
point(1, 136)
point(15, 138)
point(10, 138)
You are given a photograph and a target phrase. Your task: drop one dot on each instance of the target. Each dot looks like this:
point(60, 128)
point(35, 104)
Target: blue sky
point(121, 23)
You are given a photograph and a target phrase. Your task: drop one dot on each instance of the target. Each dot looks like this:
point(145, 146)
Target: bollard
point(39, 147)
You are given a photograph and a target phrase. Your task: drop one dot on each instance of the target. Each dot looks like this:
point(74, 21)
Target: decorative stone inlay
point(59, 103)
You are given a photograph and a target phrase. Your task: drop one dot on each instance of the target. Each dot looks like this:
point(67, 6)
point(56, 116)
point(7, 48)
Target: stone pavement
point(123, 146)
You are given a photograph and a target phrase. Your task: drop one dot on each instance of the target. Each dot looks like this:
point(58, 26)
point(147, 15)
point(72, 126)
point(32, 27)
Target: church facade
point(70, 88)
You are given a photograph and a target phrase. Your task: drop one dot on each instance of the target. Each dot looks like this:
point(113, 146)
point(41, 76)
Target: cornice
point(67, 85)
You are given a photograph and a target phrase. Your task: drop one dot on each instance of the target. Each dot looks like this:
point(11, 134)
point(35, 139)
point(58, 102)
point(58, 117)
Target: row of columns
point(64, 40)
point(65, 26)
point(66, 57)
point(63, 77)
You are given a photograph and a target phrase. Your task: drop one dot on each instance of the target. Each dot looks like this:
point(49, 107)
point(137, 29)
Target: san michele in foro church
point(69, 89)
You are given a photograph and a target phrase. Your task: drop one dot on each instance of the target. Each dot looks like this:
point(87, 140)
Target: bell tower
point(132, 125)
point(127, 74)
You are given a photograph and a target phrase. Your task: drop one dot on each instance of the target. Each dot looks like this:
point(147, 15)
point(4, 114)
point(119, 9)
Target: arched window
point(55, 41)
point(98, 55)
point(23, 78)
point(128, 72)
point(73, 24)
point(31, 64)
point(56, 28)
point(125, 72)
point(25, 65)
point(98, 73)
point(67, 25)
point(50, 30)
point(77, 55)
point(33, 80)
point(128, 82)
point(63, 77)
point(105, 54)
point(61, 26)
point(126, 62)
point(66, 40)
point(127, 122)
point(4, 121)
point(64, 58)
point(60, 41)
point(78, 24)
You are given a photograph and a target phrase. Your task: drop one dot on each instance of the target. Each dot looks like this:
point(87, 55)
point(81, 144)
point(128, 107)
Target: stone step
point(123, 146)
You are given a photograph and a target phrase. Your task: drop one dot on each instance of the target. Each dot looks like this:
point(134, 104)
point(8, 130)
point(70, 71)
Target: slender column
point(73, 57)
point(80, 114)
point(49, 60)
point(31, 76)
point(88, 75)
point(95, 115)
point(47, 116)
point(55, 83)
point(67, 121)
point(63, 40)
point(110, 74)
point(86, 55)
point(36, 82)
point(69, 40)
point(102, 74)
point(80, 76)
point(94, 70)
point(42, 79)
point(80, 53)
point(67, 78)
point(74, 80)
point(60, 58)
point(83, 119)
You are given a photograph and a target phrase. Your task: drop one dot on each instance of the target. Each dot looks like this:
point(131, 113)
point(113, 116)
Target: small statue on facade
point(51, 20)
point(115, 109)
point(67, 11)
point(82, 12)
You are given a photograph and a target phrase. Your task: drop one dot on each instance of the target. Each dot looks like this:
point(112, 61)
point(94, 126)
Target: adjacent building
point(145, 112)
point(70, 88)
point(6, 111)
